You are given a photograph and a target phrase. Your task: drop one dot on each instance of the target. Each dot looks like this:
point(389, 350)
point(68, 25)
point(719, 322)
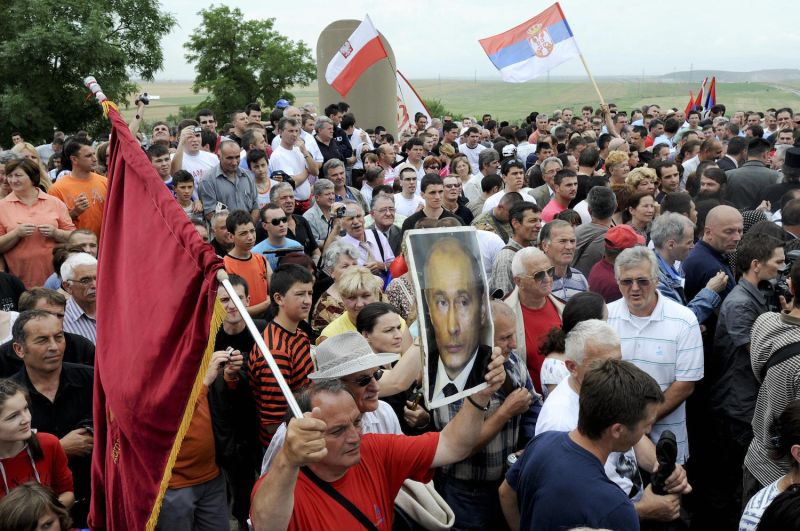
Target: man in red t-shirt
point(368, 471)
point(536, 308)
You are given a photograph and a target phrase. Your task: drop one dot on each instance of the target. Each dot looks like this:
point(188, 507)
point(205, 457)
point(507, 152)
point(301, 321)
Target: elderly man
point(228, 184)
point(673, 237)
point(470, 487)
point(537, 310)
point(222, 240)
point(327, 145)
point(721, 234)
point(335, 171)
point(544, 193)
point(557, 240)
point(513, 174)
point(383, 214)
point(526, 222)
point(660, 336)
point(373, 248)
point(79, 279)
point(590, 342)
point(320, 215)
point(325, 455)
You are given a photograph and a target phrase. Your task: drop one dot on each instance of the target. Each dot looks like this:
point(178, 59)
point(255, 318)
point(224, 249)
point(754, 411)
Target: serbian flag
point(698, 103)
point(409, 103)
point(711, 98)
point(363, 49)
point(156, 288)
point(534, 47)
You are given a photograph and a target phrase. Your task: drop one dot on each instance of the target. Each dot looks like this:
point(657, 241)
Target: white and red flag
point(360, 51)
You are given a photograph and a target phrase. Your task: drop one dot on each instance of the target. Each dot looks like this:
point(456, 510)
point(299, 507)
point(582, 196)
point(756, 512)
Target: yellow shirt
point(343, 324)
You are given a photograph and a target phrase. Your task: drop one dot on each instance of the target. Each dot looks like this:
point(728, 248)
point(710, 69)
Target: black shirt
point(302, 234)
point(77, 349)
point(411, 220)
point(10, 289)
point(218, 248)
point(243, 341)
point(331, 151)
point(341, 138)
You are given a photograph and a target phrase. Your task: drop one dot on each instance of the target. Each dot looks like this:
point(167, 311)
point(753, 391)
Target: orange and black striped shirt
point(292, 353)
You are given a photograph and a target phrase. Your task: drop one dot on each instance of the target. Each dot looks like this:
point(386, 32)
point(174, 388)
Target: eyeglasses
point(539, 275)
point(279, 221)
point(365, 380)
point(432, 167)
point(641, 282)
point(451, 186)
point(387, 210)
point(85, 281)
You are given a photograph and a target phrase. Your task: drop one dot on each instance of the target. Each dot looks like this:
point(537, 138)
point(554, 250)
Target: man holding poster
point(457, 331)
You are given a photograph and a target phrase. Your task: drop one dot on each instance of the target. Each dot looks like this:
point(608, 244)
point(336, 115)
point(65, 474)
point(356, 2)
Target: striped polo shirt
point(292, 353)
point(667, 346)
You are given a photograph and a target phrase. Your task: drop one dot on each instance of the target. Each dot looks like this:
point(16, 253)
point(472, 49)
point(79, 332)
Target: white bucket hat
point(346, 354)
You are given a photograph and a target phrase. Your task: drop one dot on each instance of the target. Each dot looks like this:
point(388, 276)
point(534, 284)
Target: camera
point(198, 130)
point(779, 286)
point(145, 98)
point(340, 212)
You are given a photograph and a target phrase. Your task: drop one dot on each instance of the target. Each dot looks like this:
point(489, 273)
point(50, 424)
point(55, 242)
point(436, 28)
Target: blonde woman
point(617, 167)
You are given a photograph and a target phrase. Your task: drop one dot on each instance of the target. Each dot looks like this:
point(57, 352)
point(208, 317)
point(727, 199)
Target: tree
point(49, 46)
point(241, 62)
point(438, 110)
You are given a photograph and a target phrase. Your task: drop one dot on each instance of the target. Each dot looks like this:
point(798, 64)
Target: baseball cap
point(510, 150)
point(281, 104)
point(345, 354)
point(621, 237)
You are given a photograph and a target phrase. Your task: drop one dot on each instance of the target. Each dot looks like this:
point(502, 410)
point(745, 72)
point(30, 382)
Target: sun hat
point(345, 354)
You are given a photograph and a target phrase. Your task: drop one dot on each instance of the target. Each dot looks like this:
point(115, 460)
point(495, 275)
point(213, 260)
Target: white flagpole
point(222, 277)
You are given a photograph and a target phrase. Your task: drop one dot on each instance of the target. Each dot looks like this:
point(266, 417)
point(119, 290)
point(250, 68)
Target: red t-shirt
point(52, 467)
point(537, 325)
point(602, 281)
point(371, 485)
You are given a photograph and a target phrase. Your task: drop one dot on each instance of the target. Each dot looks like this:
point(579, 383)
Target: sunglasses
point(539, 275)
point(641, 282)
point(279, 221)
point(365, 380)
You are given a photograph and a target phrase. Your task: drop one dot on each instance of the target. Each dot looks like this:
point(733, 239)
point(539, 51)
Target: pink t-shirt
point(551, 210)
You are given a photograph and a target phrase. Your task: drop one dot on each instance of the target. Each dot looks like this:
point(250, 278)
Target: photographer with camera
point(189, 156)
point(760, 260)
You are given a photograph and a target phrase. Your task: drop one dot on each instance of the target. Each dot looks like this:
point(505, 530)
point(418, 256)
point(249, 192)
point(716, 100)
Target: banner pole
point(591, 78)
point(222, 277)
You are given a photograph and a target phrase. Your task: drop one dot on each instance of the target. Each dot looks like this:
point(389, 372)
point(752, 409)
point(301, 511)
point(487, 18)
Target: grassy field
point(509, 101)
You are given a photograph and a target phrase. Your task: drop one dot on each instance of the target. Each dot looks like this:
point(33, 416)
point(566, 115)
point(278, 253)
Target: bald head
point(723, 229)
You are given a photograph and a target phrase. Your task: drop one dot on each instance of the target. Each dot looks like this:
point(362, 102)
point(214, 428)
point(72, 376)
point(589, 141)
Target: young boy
point(183, 187)
point(259, 164)
point(290, 291)
point(253, 267)
point(160, 159)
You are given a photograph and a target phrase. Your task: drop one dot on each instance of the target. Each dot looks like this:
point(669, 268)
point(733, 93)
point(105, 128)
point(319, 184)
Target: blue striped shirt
point(77, 322)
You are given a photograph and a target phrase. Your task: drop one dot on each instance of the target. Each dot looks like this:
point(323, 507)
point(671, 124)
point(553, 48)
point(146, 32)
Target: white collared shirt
point(461, 380)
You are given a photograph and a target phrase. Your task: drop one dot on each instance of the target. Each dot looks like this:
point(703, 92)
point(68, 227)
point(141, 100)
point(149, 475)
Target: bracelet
point(482, 408)
point(138, 117)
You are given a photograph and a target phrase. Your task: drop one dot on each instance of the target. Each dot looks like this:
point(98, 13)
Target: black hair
point(429, 179)
point(236, 218)
point(756, 246)
point(237, 280)
point(490, 182)
point(254, 155)
point(285, 277)
point(678, 202)
point(157, 150)
point(182, 176)
point(369, 315)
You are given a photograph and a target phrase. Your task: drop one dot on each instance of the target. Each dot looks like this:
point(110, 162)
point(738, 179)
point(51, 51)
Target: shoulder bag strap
point(378, 241)
point(341, 500)
point(779, 356)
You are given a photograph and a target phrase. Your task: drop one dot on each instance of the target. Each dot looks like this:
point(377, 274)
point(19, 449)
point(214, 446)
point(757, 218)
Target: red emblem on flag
point(346, 49)
point(540, 40)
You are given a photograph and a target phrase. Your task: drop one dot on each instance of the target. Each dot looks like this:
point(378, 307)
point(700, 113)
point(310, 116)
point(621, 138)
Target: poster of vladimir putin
point(455, 325)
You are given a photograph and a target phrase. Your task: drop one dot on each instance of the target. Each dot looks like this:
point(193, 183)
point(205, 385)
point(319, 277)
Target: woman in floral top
point(337, 259)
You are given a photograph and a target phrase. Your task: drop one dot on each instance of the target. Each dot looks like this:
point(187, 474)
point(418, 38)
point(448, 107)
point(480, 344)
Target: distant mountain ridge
point(725, 76)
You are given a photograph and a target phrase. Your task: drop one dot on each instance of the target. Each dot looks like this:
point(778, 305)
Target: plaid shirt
point(489, 463)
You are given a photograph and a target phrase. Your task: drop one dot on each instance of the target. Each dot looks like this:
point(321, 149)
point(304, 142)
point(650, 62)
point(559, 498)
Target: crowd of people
point(643, 275)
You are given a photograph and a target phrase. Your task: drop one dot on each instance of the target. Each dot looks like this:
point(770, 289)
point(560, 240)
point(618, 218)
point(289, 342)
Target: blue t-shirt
point(273, 257)
point(560, 485)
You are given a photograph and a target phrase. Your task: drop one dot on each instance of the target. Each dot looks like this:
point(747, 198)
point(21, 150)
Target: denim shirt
point(670, 285)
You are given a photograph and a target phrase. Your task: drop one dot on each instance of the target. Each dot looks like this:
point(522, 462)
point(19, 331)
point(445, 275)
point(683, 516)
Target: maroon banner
point(156, 289)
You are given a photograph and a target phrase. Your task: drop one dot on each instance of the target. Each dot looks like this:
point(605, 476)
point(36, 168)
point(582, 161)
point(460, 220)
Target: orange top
point(196, 462)
point(67, 188)
point(31, 259)
point(254, 271)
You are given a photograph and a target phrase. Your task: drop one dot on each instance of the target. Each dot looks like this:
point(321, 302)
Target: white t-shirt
point(311, 145)
point(494, 200)
point(582, 209)
point(292, 162)
point(406, 207)
point(489, 244)
point(358, 147)
point(472, 155)
point(757, 505)
point(198, 164)
point(560, 413)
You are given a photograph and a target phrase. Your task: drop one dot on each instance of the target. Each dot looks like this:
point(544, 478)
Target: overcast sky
point(432, 38)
